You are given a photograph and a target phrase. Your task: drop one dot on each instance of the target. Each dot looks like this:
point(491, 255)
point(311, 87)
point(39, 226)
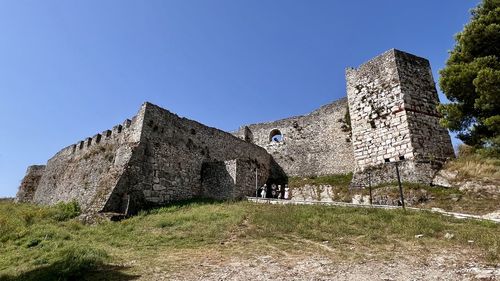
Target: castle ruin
point(157, 157)
point(393, 109)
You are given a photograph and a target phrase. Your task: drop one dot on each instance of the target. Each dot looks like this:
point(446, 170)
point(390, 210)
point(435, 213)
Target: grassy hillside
point(47, 243)
point(420, 195)
point(475, 167)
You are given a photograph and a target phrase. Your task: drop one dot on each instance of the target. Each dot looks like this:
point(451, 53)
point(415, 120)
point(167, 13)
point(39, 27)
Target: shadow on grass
point(77, 262)
point(183, 203)
point(196, 201)
point(57, 271)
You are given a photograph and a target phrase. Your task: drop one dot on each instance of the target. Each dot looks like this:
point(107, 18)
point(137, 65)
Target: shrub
point(66, 211)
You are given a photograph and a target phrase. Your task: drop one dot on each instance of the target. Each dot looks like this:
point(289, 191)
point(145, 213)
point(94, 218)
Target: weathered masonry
point(392, 102)
point(153, 159)
point(157, 157)
point(311, 145)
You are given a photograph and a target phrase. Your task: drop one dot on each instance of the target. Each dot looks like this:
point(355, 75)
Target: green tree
point(471, 80)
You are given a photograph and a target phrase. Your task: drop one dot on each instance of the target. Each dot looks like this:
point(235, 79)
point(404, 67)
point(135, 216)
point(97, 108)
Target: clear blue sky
point(70, 69)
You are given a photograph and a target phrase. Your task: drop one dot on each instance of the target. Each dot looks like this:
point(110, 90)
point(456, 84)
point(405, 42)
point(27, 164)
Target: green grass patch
point(338, 180)
point(36, 244)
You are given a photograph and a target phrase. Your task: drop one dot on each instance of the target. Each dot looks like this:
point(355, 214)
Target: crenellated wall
point(155, 158)
point(158, 157)
point(89, 170)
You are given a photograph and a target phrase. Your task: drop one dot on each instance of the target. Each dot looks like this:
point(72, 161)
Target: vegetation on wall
point(346, 123)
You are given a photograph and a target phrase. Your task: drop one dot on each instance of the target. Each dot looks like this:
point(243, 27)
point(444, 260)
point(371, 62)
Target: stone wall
point(410, 170)
point(392, 101)
point(380, 129)
point(29, 184)
point(324, 193)
point(155, 158)
point(313, 144)
point(168, 164)
point(233, 179)
point(158, 157)
point(89, 170)
point(218, 178)
point(428, 138)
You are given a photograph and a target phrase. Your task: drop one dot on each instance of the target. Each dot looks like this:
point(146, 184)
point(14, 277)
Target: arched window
point(275, 136)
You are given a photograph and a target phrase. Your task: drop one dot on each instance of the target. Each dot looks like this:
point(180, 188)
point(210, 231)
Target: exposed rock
point(444, 178)
point(455, 197)
point(494, 215)
point(360, 199)
point(449, 235)
point(308, 192)
point(474, 186)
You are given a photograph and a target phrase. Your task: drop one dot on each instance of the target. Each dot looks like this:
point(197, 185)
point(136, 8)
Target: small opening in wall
point(386, 160)
point(119, 128)
point(275, 136)
point(192, 131)
point(372, 123)
point(127, 123)
point(155, 128)
point(401, 157)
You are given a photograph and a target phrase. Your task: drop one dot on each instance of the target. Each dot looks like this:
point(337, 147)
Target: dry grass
point(449, 199)
point(474, 165)
point(43, 243)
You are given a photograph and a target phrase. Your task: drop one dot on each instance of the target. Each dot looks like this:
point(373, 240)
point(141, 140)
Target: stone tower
point(392, 104)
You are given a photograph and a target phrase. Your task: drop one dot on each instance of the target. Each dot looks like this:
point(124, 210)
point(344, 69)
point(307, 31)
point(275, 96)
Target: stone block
point(158, 187)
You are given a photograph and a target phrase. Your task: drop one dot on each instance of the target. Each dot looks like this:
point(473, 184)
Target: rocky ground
point(443, 266)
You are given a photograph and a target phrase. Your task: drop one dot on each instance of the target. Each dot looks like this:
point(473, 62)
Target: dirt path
point(446, 266)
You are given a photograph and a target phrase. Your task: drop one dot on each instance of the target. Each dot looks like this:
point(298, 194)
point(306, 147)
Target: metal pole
point(370, 187)
point(400, 187)
point(256, 185)
point(128, 204)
